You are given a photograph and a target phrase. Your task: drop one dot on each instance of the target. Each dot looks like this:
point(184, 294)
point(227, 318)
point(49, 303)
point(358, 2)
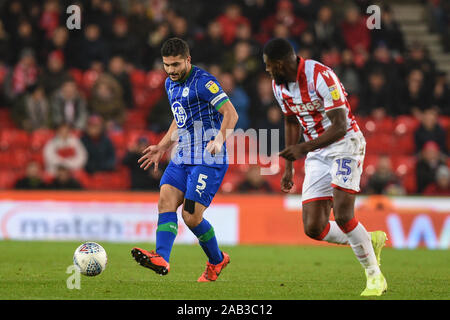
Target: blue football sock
point(166, 233)
point(207, 239)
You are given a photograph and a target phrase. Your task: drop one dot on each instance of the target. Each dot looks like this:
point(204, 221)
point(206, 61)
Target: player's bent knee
point(314, 231)
point(191, 220)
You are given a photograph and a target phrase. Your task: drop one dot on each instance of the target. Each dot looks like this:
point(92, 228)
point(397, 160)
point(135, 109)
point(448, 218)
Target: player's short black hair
point(278, 49)
point(175, 46)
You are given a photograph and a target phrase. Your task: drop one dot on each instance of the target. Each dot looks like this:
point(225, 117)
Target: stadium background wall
point(410, 222)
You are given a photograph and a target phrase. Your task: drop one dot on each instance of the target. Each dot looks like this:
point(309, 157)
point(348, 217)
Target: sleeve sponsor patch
point(334, 92)
point(212, 87)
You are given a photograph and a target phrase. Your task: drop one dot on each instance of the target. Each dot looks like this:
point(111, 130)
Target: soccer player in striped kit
point(314, 102)
point(203, 119)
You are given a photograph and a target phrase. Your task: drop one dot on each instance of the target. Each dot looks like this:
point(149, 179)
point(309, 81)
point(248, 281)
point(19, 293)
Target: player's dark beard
point(181, 74)
point(279, 79)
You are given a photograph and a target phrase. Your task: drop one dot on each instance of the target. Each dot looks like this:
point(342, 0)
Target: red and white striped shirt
point(316, 91)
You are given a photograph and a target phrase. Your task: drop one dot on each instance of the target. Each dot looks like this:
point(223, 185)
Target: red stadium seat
point(155, 79)
point(5, 120)
point(14, 138)
point(405, 124)
point(135, 119)
point(382, 143)
point(77, 75)
point(89, 78)
point(138, 78)
point(404, 144)
point(40, 137)
point(142, 98)
point(403, 165)
point(7, 179)
point(231, 182)
point(117, 138)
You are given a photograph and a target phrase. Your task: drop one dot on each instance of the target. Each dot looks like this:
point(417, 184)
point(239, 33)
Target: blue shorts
point(199, 183)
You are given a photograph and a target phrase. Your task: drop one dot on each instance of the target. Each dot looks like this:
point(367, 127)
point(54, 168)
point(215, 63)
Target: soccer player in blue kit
point(203, 119)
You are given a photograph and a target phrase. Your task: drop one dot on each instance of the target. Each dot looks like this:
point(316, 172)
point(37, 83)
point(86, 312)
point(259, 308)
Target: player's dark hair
point(175, 46)
point(278, 49)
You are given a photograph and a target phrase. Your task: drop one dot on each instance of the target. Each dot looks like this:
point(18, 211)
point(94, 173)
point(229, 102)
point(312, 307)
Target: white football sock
point(361, 244)
point(335, 234)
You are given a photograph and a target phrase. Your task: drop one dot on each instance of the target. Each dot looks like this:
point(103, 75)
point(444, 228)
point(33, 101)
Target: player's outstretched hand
point(152, 154)
point(214, 146)
point(286, 182)
point(294, 152)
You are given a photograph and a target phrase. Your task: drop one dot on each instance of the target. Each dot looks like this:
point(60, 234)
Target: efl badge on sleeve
point(212, 87)
point(334, 92)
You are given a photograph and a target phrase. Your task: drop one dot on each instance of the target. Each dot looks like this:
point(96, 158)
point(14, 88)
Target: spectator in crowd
point(24, 74)
point(94, 47)
point(55, 73)
point(50, 17)
point(210, 48)
point(24, 38)
point(417, 58)
point(415, 96)
point(326, 30)
point(273, 121)
point(254, 182)
point(430, 130)
point(261, 99)
point(117, 69)
point(284, 14)
point(441, 186)
point(64, 149)
point(57, 43)
point(153, 44)
point(100, 149)
point(348, 73)
point(141, 179)
point(6, 55)
point(429, 160)
point(63, 180)
point(376, 95)
point(106, 100)
point(241, 55)
point(441, 94)
point(139, 23)
point(160, 116)
point(69, 106)
point(239, 98)
point(390, 33)
point(229, 22)
point(32, 179)
point(123, 43)
point(383, 61)
point(384, 180)
point(355, 32)
point(32, 110)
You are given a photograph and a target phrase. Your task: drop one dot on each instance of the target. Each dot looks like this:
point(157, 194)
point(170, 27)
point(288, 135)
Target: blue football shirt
point(195, 103)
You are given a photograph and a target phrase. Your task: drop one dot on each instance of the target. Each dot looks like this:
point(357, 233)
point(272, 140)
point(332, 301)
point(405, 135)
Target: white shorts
point(338, 165)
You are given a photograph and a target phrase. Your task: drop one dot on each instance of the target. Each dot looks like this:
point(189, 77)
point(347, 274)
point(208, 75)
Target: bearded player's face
point(176, 67)
point(275, 69)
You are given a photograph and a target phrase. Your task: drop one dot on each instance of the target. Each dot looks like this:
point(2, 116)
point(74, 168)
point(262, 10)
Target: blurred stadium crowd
point(77, 106)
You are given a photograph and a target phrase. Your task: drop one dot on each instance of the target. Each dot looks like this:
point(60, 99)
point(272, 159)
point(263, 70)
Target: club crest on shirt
point(212, 87)
point(311, 87)
point(185, 92)
point(334, 92)
point(179, 114)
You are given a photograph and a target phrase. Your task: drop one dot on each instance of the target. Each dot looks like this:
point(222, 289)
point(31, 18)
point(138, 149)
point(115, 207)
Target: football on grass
point(90, 258)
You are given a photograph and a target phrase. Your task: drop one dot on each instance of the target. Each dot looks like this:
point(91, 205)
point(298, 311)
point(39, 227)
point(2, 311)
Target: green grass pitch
point(37, 270)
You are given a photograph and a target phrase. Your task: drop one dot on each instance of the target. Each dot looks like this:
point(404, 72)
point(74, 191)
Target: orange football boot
point(151, 260)
point(213, 270)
